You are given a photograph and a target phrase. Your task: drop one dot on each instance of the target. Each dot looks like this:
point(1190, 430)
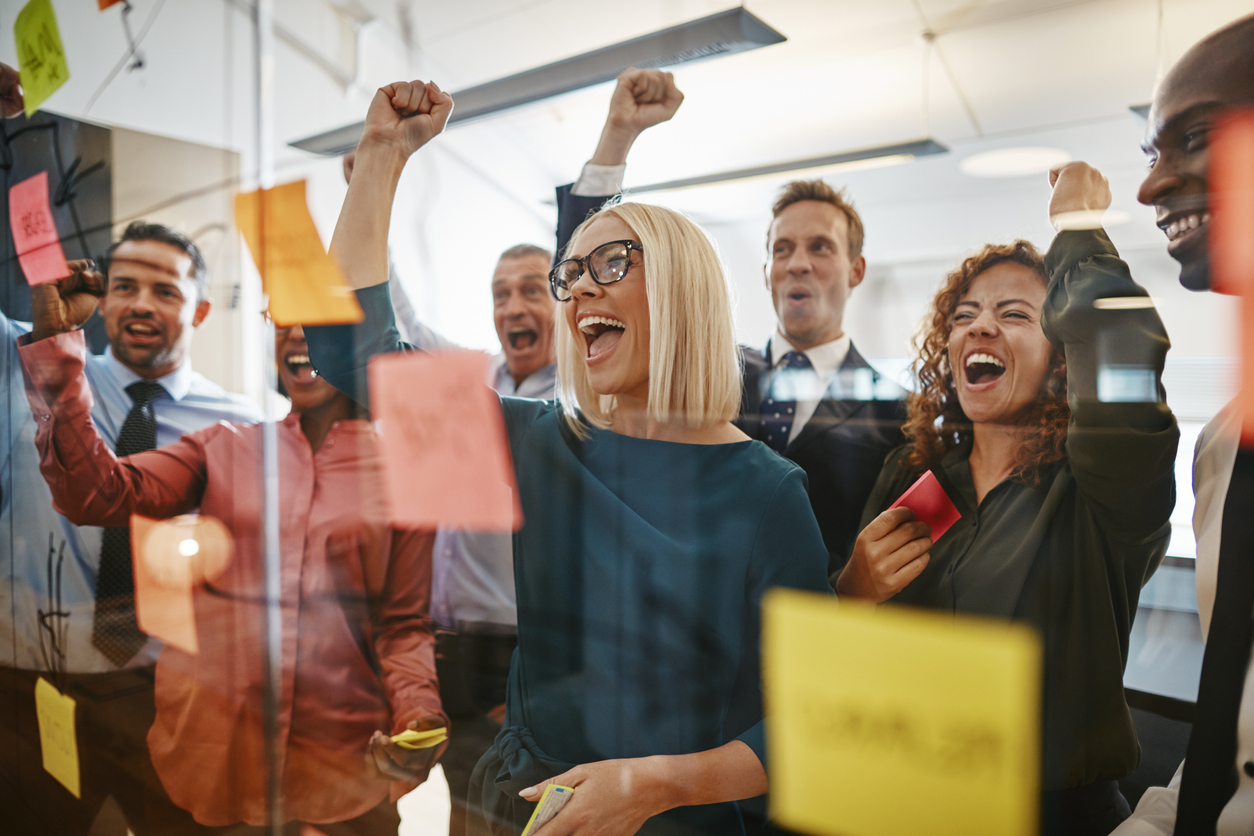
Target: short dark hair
point(144, 231)
point(799, 190)
point(524, 250)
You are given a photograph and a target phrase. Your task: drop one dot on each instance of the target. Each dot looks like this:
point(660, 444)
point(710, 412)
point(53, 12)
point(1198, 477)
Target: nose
point(799, 261)
point(141, 303)
point(1161, 181)
point(296, 333)
point(513, 305)
point(984, 325)
point(585, 287)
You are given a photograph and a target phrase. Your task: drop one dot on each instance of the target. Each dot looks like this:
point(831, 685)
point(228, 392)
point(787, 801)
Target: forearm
point(729, 773)
point(614, 145)
point(360, 241)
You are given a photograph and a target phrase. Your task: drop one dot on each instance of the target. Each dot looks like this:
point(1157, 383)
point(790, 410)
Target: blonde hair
point(694, 367)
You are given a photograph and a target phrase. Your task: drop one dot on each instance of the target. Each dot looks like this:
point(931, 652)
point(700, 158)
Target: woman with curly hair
point(1064, 481)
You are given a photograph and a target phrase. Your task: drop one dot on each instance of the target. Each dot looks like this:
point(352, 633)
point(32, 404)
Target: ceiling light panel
point(1013, 162)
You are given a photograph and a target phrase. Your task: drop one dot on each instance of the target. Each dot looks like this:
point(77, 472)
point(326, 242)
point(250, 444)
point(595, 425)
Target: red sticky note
point(162, 609)
point(1231, 179)
point(930, 504)
point(446, 459)
point(104, 4)
point(34, 232)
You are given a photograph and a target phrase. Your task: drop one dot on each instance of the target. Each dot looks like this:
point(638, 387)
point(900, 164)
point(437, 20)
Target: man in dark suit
point(808, 393)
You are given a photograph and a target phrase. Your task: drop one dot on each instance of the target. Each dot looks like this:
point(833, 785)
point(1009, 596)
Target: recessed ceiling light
point(1013, 162)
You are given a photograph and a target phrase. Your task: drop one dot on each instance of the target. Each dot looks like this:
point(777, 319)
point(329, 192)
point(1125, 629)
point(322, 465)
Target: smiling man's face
point(523, 310)
point(810, 272)
point(1214, 76)
point(151, 306)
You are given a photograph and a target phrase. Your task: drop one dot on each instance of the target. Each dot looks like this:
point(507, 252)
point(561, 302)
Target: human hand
point(612, 798)
point(1081, 196)
point(11, 101)
point(64, 305)
point(889, 553)
point(406, 115)
point(386, 761)
point(642, 99)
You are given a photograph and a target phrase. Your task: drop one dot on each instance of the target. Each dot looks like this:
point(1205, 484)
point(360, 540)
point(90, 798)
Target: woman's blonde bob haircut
point(694, 367)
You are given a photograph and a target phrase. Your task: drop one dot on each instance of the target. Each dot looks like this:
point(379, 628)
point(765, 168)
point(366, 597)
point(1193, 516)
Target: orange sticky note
point(305, 285)
point(1231, 180)
point(446, 459)
point(163, 601)
point(104, 4)
point(930, 504)
point(34, 232)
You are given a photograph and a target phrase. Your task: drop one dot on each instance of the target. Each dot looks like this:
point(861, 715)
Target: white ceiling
point(1002, 73)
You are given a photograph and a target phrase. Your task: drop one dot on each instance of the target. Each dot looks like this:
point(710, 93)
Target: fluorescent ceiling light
point(1013, 162)
point(885, 155)
point(725, 33)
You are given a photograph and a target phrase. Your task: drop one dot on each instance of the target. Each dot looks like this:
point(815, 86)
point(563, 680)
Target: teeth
point(979, 357)
point(1206, 217)
point(599, 320)
point(299, 359)
point(1182, 225)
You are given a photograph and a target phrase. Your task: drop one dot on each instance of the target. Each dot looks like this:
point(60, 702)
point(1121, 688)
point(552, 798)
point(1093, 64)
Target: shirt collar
point(177, 383)
point(825, 358)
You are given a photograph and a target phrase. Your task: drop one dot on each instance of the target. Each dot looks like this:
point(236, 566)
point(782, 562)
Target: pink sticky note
point(34, 233)
point(930, 504)
point(163, 610)
point(446, 460)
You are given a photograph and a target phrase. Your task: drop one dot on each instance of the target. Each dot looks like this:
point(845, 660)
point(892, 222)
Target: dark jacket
point(841, 448)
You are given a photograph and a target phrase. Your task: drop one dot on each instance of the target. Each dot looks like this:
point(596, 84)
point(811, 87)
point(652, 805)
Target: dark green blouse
point(1071, 554)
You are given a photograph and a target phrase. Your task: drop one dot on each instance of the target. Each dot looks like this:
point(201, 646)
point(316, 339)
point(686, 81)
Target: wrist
point(380, 148)
point(663, 783)
point(614, 145)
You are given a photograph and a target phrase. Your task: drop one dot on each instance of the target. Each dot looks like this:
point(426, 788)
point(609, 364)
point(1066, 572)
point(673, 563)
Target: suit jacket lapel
point(834, 409)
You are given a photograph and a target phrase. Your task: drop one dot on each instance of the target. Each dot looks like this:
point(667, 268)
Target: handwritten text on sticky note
point(54, 712)
point(34, 232)
point(446, 460)
point(894, 722)
point(305, 285)
point(40, 56)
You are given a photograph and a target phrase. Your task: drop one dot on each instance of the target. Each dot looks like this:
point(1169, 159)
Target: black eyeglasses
point(606, 264)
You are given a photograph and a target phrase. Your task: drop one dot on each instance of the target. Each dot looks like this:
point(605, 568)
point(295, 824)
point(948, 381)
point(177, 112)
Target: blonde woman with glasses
point(653, 526)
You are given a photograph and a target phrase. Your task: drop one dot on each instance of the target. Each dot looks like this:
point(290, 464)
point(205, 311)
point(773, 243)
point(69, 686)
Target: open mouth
point(522, 338)
point(798, 295)
point(983, 368)
point(1182, 228)
point(141, 331)
point(601, 334)
point(300, 368)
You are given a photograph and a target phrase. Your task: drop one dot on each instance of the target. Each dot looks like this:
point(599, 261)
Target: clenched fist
point(64, 305)
point(407, 115)
point(1081, 196)
point(642, 99)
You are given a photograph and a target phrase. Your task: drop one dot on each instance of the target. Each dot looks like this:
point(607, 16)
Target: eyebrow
point(1000, 304)
point(1173, 124)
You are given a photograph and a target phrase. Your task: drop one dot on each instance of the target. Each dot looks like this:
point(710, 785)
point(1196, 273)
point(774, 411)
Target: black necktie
point(1210, 775)
point(115, 633)
point(780, 407)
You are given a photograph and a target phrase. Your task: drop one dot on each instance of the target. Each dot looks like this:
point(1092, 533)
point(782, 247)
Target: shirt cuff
point(596, 180)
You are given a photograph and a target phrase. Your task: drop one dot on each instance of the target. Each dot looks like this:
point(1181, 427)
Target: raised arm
point(641, 99)
point(1122, 441)
point(402, 118)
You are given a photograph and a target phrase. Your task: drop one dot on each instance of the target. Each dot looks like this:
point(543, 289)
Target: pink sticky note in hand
point(446, 459)
point(930, 504)
point(34, 232)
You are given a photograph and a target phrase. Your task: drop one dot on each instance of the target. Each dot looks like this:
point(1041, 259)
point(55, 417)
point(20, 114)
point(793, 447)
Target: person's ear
point(202, 311)
point(766, 276)
point(857, 271)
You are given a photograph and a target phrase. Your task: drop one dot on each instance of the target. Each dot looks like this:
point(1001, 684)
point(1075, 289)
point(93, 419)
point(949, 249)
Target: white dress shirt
point(1213, 460)
point(807, 390)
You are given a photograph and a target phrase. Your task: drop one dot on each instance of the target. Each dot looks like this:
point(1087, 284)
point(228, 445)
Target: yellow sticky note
point(410, 739)
point(40, 56)
point(305, 285)
point(55, 713)
point(896, 722)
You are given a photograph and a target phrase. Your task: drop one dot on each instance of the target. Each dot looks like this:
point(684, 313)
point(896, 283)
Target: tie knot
point(144, 392)
point(797, 360)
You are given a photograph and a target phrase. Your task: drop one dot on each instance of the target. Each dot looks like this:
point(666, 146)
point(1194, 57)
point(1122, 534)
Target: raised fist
point(642, 99)
point(1081, 196)
point(407, 115)
point(11, 101)
point(60, 306)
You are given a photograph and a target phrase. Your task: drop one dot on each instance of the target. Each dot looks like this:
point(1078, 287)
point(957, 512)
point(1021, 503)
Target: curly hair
point(936, 423)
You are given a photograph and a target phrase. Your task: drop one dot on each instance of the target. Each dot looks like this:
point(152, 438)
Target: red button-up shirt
point(358, 653)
